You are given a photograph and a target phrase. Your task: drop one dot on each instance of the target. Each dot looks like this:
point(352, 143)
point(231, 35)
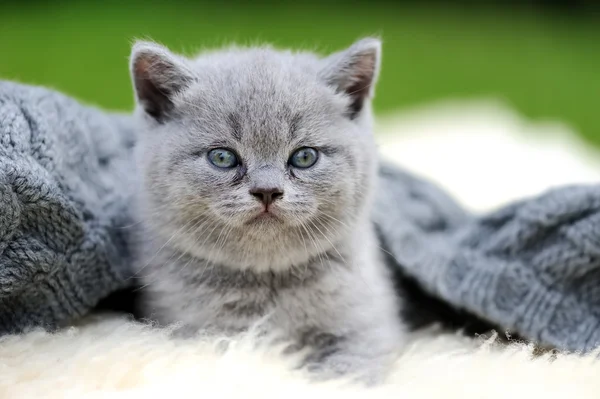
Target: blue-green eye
point(223, 158)
point(304, 158)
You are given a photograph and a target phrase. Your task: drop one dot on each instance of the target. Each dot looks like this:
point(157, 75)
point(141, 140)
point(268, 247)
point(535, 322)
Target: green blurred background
point(542, 59)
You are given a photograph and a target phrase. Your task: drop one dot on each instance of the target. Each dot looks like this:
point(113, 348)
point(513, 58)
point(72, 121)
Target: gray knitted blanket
point(532, 267)
point(65, 184)
point(63, 195)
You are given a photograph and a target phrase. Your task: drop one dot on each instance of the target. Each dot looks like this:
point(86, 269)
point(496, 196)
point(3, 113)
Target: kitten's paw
point(355, 369)
point(335, 363)
point(332, 357)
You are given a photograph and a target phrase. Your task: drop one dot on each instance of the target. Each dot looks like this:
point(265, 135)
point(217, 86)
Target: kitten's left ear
point(158, 75)
point(354, 72)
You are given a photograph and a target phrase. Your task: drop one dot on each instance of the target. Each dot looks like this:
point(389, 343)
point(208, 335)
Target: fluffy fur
point(307, 264)
point(114, 358)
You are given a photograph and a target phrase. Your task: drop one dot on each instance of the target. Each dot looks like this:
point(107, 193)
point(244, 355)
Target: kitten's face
point(257, 159)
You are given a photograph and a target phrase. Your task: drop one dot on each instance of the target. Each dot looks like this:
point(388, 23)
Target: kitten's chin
point(264, 219)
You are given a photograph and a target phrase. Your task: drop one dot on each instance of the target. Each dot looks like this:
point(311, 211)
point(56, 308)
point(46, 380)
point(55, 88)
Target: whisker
point(160, 249)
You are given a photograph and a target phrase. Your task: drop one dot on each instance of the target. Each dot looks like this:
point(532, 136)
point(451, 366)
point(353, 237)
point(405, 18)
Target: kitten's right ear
point(354, 72)
point(157, 76)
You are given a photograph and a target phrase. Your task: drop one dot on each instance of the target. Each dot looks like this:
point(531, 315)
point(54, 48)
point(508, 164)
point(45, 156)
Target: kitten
point(258, 171)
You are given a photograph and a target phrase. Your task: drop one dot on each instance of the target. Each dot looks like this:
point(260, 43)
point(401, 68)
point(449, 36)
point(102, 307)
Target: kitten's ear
point(354, 71)
point(157, 76)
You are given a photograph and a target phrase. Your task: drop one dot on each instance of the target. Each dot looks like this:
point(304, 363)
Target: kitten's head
point(255, 157)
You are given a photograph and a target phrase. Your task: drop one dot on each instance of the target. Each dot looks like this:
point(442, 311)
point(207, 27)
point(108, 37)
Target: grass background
point(543, 62)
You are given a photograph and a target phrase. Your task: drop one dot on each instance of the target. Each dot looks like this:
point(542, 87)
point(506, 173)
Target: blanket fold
point(63, 198)
point(67, 177)
point(532, 266)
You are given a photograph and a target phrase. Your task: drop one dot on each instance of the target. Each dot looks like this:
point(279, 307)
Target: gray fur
point(314, 270)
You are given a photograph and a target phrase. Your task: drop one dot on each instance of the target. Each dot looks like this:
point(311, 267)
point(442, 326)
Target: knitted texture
point(63, 192)
point(532, 267)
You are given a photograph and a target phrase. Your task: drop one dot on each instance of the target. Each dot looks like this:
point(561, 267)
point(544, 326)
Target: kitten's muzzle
point(267, 195)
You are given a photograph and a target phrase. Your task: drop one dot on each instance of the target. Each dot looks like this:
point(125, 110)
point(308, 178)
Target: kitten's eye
point(304, 158)
point(223, 158)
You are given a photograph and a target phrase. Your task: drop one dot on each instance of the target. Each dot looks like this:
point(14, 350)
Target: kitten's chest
point(208, 296)
point(230, 301)
point(226, 299)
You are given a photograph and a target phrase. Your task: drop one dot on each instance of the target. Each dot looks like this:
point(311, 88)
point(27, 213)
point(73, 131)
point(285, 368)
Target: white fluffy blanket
point(112, 357)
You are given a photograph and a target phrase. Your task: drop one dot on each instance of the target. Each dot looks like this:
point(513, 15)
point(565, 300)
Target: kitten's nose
point(266, 195)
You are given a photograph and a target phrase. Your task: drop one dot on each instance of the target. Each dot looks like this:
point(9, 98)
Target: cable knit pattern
point(63, 192)
point(532, 267)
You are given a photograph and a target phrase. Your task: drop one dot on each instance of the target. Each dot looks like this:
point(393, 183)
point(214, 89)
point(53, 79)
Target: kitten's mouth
point(264, 216)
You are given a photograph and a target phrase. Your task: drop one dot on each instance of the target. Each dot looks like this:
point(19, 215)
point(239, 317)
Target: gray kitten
point(258, 171)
